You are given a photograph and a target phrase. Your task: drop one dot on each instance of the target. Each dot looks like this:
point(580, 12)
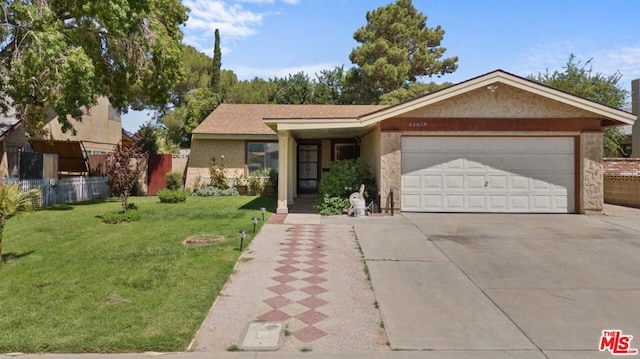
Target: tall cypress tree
point(217, 62)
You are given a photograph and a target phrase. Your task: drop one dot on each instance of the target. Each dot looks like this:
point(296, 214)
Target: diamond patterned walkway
point(297, 283)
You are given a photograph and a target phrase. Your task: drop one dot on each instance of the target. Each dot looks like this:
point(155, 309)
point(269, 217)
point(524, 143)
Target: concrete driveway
point(506, 285)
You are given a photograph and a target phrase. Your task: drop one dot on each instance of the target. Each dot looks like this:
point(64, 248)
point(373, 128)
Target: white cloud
point(236, 19)
point(232, 20)
point(248, 73)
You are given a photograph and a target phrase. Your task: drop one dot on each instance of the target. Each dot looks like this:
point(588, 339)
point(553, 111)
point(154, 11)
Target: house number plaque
point(419, 124)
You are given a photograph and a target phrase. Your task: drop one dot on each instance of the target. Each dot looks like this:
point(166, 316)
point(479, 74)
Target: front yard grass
point(70, 283)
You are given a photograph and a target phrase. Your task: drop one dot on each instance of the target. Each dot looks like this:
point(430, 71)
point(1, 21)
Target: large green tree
point(579, 79)
point(192, 98)
point(196, 73)
point(64, 54)
point(396, 48)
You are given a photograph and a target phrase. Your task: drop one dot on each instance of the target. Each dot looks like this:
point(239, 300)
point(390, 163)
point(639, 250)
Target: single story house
point(494, 143)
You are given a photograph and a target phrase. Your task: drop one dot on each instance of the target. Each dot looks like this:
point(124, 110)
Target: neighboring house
point(100, 130)
point(494, 143)
point(12, 142)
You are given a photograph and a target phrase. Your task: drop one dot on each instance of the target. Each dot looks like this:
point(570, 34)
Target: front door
point(308, 165)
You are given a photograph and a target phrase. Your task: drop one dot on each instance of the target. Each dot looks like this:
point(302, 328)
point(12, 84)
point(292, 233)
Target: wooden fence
point(67, 190)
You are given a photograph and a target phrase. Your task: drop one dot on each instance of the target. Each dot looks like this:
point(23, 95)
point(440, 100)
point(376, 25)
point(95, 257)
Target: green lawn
point(72, 284)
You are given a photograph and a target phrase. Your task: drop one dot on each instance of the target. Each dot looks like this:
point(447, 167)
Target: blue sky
point(267, 38)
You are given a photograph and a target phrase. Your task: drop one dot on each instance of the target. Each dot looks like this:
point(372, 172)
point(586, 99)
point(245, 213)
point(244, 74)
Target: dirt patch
point(203, 240)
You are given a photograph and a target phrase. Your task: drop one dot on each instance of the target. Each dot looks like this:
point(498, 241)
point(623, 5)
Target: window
point(262, 155)
point(344, 151)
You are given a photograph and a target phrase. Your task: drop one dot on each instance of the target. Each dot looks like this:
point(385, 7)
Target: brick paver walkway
point(298, 283)
point(308, 276)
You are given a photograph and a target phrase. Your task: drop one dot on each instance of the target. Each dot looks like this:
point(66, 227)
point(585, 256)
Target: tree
point(192, 98)
point(147, 139)
point(217, 63)
point(14, 200)
point(196, 70)
point(255, 91)
point(123, 168)
point(295, 89)
point(62, 55)
point(182, 120)
point(579, 79)
point(411, 91)
point(397, 48)
point(330, 87)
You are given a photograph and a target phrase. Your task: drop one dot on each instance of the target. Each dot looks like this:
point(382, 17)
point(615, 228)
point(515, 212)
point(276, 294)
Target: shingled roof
point(248, 119)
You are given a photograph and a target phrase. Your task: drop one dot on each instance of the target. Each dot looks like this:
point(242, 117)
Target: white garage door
point(488, 174)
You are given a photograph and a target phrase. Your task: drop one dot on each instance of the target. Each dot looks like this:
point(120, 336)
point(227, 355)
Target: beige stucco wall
point(203, 150)
point(504, 102)
point(370, 151)
point(100, 129)
point(591, 180)
point(390, 168)
point(11, 141)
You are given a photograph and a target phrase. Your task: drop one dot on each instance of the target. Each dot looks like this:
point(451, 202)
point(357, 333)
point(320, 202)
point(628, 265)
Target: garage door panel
point(518, 174)
point(455, 165)
point(477, 202)
point(541, 202)
point(561, 202)
point(497, 182)
point(454, 202)
point(519, 203)
point(475, 182)
point(519, 183)
point(411, 183)
point(498, 203)
point(434, 202)
point(432, 182)
point(454, 182)
point(411, 201)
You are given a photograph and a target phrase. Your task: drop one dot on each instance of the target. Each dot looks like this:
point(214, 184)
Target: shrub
point(345, 177)
point(132, 215)
point(331, 205)
point(214, 191)
point(171, 196)
point(218, 173)
point(174, 181)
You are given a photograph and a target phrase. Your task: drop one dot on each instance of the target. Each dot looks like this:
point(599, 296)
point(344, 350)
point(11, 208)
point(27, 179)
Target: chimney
point(635, 108)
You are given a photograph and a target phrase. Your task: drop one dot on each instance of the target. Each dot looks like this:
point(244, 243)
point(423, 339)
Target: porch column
point(291, 171)
point(283, 170)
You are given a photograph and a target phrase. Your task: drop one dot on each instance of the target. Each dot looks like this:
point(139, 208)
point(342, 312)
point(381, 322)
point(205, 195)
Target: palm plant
point(14, 200)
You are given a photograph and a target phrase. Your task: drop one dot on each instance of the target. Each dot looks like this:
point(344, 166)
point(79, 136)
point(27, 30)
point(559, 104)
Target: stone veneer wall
point(622, 181)
point(591, 178)
point(200, 159)
point(390, 168)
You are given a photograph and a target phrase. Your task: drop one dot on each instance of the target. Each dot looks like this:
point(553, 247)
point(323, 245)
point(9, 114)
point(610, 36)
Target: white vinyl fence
point(68, 190)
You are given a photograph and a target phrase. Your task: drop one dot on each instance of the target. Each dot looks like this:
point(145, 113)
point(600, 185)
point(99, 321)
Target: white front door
point(488, 174)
